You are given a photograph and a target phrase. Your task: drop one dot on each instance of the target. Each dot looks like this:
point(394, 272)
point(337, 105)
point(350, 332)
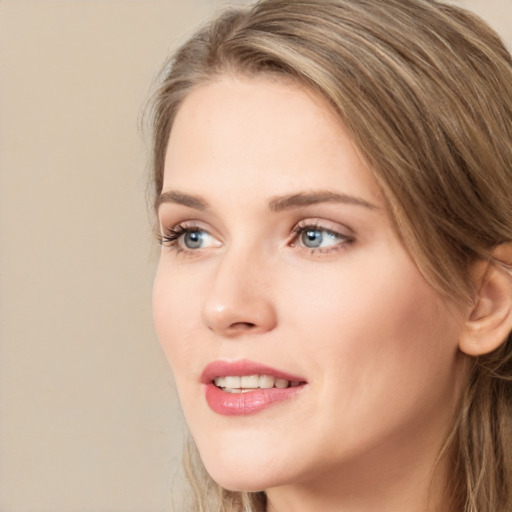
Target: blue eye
point(318, 238)
point(312, 238)
point(193, 239)
point(182, 238)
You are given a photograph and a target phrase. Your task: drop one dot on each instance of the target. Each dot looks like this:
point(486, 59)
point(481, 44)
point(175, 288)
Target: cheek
point(382, 328)
point(175, 307)
point(379, 343)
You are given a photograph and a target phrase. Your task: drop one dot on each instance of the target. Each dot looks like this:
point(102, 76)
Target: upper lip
point(243, 367)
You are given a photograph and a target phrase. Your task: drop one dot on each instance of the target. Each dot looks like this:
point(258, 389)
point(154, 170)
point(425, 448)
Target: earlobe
point(490, 320)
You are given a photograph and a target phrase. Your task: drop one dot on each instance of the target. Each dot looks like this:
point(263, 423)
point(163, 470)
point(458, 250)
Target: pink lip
point(251, 402)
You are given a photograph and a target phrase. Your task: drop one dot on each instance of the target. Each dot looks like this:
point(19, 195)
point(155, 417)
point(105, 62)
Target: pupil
point(312, 238)
point(193, 239)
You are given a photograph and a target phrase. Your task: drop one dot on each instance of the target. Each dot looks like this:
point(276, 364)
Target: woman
point(333, 183)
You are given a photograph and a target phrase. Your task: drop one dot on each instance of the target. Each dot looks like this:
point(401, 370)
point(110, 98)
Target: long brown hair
point(425, 90)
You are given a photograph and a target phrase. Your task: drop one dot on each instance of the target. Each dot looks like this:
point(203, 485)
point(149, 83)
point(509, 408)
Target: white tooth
point(294, 384)
point(250, 381)
point(232, 382)
point(266, 381)
point(232, 390)
point(220, 382)
point(282, 383)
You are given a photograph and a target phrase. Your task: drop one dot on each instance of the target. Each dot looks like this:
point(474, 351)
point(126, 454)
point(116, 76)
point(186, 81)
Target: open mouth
point(247, 383)
point(243, 387)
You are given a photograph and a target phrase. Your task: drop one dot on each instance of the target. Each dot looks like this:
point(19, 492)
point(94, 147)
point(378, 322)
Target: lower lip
point(250, 402)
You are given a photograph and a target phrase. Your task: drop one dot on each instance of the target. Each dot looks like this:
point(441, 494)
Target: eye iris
point(193, 239)
point(312, 238)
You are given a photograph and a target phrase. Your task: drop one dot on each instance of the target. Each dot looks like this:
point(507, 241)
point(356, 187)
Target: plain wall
point(89, 419)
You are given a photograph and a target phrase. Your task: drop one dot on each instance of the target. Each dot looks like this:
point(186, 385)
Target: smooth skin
point(324, 290)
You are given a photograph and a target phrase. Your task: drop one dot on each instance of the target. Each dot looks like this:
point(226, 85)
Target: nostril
point(242, 325)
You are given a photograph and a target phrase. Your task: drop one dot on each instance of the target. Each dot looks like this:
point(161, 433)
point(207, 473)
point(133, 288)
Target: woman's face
point(280, 276)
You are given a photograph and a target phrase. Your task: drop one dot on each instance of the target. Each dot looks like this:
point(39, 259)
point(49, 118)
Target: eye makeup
point(314, 235)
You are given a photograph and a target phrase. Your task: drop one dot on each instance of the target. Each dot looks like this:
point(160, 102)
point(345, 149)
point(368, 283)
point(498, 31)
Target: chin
point(237, 476)
point(242, 472)
point(235, 483)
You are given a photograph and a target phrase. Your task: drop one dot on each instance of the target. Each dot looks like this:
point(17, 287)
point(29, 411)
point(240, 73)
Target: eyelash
point(172, 236)
point(306, 225)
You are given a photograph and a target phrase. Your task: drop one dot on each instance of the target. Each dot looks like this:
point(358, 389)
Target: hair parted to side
point(425, 90)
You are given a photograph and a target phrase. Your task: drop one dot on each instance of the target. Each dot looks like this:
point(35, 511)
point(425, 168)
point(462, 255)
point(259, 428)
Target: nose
point(238, 300)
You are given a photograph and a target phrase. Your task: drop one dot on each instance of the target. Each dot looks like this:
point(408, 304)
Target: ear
point(490, 319)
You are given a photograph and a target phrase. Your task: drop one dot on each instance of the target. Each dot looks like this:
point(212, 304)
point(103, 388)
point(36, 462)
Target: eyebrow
point(176, 197)
point(277, 204)
point(291, 201)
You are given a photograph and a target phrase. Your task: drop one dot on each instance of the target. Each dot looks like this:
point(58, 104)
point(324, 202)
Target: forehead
point(247, 131)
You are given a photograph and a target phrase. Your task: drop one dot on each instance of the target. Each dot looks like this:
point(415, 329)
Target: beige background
point(89, 417)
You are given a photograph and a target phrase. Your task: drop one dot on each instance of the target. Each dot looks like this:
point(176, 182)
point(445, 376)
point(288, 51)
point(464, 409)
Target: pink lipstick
point(239, 388)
